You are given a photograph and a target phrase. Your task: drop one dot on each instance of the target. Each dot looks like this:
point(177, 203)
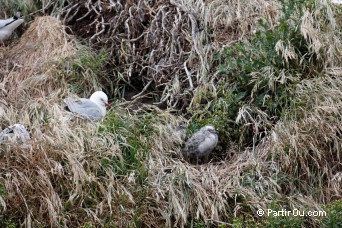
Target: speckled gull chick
point(7, 26)
point(201, 144)
point(93, 109)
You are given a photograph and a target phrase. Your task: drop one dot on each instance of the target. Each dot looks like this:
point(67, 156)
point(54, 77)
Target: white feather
point(7, 26)
point(92, 109)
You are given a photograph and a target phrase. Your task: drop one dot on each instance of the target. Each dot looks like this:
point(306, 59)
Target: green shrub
point(260, 74)
point(334, 215)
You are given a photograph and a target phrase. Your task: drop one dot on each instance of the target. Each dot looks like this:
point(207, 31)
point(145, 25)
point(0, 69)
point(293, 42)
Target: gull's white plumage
point(92, 109)
point(201, 144)
point(339, 2)
point(7, 26)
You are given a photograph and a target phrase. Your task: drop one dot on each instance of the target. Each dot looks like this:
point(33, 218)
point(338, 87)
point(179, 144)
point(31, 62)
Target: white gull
point(92, 109)
point(7, 26)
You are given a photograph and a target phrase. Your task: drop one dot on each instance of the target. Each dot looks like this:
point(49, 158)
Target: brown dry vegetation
point(128, 169)
point(165, 48)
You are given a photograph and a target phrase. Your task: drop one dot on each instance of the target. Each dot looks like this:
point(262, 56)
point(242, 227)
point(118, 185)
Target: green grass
point(32, 6)
point(4, 221)
point(333, 218)
point(334, 215)
point(85, 71)
point(260, 74)
point(133, 134)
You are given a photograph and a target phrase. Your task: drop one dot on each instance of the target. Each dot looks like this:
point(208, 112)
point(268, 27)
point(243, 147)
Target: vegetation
point(268, 77)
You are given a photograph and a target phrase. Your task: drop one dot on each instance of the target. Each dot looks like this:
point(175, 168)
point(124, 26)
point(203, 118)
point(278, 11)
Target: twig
point(142, 91)
point(189, 76)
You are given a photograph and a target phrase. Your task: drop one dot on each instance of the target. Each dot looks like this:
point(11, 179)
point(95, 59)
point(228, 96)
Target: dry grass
point(29, 72)
point(308, 140)
point(69, 175)
point(60, 167)
point(165, 48)
point(300, 159)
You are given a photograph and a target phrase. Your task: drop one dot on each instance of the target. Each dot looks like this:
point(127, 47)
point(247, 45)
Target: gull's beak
point(108, 105)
